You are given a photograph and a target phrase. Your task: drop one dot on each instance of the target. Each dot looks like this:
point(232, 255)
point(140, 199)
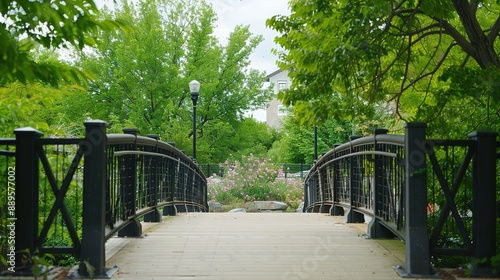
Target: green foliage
point(296, 144)
point(39, 262)
point(252, 137)
point(347, 58)
point(143, 76)
point(51, 24)
point(38, 105)
point(64, 260)
point(22, 106)
point(493, 261)
point(250, 178)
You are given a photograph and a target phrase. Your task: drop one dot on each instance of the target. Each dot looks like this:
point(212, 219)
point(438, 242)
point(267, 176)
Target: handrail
point(384, 178)
point(141, 140)
point(366, 153)
point(130, 152)
point(113, 179)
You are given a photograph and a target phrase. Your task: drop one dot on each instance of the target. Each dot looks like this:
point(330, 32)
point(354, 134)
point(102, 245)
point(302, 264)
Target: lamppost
point(194, 87)
point(315, 144)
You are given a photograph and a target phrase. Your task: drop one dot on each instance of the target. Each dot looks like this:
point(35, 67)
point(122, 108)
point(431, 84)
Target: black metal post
point(336, 210)
point(172, 171)
point(204, 193)
point(375, 229)
point(306, 192)
point(484, 199)
point(24, 226)
point(154, 187)
point(128, 175)
point(417, 261)
point(354, 186)
point(94, 198)
point(194, 97)
point(315, 144)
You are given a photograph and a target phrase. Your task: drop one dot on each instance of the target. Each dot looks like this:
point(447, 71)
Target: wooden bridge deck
point(254, 246)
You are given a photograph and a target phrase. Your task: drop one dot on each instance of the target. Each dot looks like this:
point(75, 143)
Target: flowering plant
point(254, 179)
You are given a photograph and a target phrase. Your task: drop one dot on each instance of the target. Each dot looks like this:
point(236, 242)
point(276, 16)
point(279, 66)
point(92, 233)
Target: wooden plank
point(252, 246)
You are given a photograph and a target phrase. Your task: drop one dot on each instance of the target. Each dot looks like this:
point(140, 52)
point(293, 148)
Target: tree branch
point(436, 68)
point(450, 30)
point(494, 31)
point(461, 40)
point(473, 5)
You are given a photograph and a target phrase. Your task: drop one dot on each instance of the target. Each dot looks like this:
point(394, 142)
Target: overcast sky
point(253, 13)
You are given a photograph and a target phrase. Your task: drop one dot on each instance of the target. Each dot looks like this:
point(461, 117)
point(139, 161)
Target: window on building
point(282, 85)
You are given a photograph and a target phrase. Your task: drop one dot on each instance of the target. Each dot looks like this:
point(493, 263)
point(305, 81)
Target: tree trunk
point(484, 53)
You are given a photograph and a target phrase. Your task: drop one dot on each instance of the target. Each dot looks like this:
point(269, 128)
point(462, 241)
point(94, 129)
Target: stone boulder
point(214, 206)
point(300, 209)
point(265, 206)
point(237, 210)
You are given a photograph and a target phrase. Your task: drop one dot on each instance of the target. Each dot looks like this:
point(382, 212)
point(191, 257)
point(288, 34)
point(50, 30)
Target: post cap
point(378, 131)
point(482, 133)
point(95, 122)
point(27, 130)
point(416, 124)
point(130, 130)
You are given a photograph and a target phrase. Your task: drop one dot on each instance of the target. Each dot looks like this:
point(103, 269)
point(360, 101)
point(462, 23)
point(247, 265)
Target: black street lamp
point(315, 144)
point(194, 87)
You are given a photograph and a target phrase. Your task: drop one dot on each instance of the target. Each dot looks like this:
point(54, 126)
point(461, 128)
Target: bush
point(66, 260)
point(254, 179)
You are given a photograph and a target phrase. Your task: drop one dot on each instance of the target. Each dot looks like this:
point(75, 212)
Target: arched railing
point(438, 196)
point(365, 177)
point(68, 196)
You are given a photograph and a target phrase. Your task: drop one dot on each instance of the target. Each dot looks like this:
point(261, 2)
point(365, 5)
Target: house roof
point(274, 74)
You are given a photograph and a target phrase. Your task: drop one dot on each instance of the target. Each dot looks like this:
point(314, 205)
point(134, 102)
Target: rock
point(257, 206)
point(300, 209)
point(237, 210)
point(214, 206)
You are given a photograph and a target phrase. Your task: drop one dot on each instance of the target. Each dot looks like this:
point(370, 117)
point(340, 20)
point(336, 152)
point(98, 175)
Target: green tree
point(295, 141)
point(222, 140)
point(296, 144)
point(34, 104)
point(25, 25)
point(423, 58)
point(143, 76)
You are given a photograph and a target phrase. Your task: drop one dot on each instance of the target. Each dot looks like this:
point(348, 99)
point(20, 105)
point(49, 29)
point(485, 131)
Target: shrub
point(252, 179)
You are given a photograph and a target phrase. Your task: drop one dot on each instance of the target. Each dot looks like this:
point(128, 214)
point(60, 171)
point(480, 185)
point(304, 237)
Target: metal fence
point(439, 196)
point(7, 195)
point(290, 170)
point(71, 195)
point(365, 176)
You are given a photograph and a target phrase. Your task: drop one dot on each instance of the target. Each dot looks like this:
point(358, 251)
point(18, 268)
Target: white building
point(275, 110)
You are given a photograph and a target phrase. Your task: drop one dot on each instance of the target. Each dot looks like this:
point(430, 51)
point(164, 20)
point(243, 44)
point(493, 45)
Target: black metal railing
point(295, 170)
point(7, 195)
point(439, 196)
point(365, 176)
point(71, 195)
point(211, 169)
point(290, 170)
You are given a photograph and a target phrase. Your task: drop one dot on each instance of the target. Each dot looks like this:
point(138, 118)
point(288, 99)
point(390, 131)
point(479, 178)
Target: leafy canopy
point(347, 57)
point(26, 25)
point(142, 77)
